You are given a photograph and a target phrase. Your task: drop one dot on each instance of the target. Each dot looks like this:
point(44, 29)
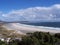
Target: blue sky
point(30, 10)
point(7, 5)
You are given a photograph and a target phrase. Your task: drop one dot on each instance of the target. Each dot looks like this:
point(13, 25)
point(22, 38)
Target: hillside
point(8, 33)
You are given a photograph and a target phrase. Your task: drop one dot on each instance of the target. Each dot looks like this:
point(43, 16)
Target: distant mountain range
point(14, 21)
point(1, 21)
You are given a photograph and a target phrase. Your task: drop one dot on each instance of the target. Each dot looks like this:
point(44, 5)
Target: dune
point(23, 28)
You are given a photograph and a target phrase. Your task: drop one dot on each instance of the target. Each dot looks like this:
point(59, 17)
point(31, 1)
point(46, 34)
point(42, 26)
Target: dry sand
point(23, 29)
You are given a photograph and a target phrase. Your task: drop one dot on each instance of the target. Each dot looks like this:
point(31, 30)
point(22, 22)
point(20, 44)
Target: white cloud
point(51, 13)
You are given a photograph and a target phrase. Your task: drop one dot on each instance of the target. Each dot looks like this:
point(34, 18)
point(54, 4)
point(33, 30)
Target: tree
point(30, 41)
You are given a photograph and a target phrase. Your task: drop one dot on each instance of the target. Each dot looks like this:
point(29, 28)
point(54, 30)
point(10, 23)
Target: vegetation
point(40, 38)
point(36, 38)
point(5, 33)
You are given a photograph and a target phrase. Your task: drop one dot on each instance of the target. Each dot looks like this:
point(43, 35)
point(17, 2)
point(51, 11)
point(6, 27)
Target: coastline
point(23, 29)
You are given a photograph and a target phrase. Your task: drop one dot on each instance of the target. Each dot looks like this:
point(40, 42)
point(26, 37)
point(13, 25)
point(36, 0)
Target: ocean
point(45, 24)
point(25, 27)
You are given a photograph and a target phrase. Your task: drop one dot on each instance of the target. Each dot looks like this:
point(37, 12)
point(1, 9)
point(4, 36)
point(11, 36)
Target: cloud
point(51, 13)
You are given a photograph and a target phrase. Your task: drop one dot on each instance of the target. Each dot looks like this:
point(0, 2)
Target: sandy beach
point(23, 29)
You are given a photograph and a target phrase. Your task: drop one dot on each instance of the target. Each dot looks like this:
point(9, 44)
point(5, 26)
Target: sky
point(7, 5)
point(30, 10)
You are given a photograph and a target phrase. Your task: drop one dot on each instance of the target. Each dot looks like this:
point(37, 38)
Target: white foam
point(23, 28)
point(42, 27)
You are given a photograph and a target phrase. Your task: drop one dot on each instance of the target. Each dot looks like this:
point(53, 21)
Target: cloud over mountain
point(51, 13)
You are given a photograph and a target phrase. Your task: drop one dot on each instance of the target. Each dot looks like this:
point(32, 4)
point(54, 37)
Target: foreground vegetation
point(36, 38)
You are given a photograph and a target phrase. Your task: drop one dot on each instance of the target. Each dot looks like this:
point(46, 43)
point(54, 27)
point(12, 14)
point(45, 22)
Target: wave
point(23, 28)
point(43, 27)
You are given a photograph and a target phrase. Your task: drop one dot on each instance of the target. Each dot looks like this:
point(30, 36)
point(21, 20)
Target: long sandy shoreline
point(23, 29)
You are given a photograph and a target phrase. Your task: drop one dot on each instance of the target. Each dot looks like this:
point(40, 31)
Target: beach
point(23, 28)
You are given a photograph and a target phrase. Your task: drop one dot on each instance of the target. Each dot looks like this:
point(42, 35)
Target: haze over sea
point(45, 24)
